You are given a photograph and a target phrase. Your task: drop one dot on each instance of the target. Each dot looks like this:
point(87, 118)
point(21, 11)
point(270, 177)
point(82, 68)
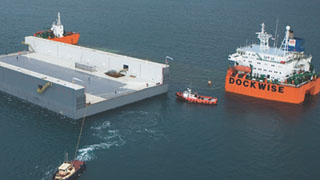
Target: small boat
point(245, 69)
point(69, 170)
point(57, 33)
point(188, 95)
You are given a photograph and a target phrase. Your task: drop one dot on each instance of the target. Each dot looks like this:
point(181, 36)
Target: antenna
point(264, 37)
point(58, 20)
point(284, 44)
point(276, 34)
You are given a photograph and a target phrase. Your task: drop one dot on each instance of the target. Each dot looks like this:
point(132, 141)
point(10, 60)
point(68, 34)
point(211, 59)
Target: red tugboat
point(57, 33)
point(69, 170)
point(187, 95)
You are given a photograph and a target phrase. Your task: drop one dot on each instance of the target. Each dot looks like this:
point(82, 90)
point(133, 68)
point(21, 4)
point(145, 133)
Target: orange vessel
point(57, 33)
point(283, 74)
point(69, 37)
point(241, 84)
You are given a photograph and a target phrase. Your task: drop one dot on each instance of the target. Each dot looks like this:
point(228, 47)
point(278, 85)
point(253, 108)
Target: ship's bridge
point(273, 63)
point(273, 54)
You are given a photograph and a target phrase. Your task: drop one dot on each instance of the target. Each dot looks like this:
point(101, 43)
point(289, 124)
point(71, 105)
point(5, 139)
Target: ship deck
point(99, 87)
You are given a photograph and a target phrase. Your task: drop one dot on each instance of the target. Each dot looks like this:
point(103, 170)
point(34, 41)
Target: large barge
point(74, 81)
point(282, 74)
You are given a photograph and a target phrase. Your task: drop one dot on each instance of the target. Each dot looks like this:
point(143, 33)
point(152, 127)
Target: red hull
point(199, 100)
point(78, 164)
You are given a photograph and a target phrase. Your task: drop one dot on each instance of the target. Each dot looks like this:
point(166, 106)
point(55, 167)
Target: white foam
point(87, 153)
point(140, 123)
point(109, 136)
point(104, 125)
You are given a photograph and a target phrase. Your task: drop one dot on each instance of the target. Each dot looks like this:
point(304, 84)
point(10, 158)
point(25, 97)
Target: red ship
point(69, 170)
point(195, 98)
point(57, 33)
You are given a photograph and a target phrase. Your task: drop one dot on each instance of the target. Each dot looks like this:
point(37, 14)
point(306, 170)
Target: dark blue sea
point(162, 138)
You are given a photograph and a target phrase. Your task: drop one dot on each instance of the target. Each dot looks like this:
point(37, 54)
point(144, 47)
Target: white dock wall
point(103, 61)
point(58, 98)
point(122, 100)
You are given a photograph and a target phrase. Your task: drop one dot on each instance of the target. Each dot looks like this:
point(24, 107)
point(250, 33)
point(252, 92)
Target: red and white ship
point(189, 96)
point(69, 170)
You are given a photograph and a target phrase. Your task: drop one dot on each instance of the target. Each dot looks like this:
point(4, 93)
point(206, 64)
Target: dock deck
point(98, 86)
point(74, 88)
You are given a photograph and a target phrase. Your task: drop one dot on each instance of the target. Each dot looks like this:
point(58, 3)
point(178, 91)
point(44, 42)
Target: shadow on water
point(239, 104)
point(29, 110)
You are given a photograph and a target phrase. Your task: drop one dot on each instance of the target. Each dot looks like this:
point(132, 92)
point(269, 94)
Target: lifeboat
point(189, 96)
point(245, 69)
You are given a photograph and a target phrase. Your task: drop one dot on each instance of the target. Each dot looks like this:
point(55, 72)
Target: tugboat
point(189, 96)
point(69, 170)
point(57, 33)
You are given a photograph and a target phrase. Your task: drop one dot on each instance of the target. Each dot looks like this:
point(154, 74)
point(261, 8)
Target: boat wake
point(133, 126)
point(103, 132)
point(87, 153)
point(141, 124)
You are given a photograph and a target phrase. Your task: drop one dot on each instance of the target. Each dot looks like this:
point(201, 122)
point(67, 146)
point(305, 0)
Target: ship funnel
point(291, 34)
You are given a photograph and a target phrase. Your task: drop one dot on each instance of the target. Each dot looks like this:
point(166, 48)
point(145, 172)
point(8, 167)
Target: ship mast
point(66, 157)
point(264, 37)
point(58, 20)
point(285, 42)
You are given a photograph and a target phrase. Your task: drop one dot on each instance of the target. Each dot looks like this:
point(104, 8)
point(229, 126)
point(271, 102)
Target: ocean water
point(162, 138)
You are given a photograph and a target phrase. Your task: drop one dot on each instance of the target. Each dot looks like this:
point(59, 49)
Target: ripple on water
point(141, 124)
point(48, 172)
point(110, 137)
point(134, 126)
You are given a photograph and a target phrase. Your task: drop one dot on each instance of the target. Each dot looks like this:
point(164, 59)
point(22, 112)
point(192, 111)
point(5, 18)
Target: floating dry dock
point(65, 78)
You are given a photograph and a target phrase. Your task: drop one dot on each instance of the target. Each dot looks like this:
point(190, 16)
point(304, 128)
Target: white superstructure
point(57, 27)
point(276, 64)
